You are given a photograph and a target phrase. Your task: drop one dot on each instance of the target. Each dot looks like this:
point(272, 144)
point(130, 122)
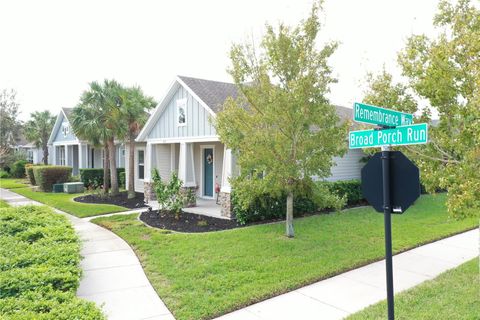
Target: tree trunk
point(106, 167)
point(113, 167)
point(131, 167)
point(289, 220)
point(45, 154)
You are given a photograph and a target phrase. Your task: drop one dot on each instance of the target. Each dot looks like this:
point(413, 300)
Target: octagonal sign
point(404, 182)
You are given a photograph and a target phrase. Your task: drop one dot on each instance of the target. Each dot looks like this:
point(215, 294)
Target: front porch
point(204, 167)
point(207, 207)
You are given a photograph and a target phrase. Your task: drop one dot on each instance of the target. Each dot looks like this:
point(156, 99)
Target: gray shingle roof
point(214, 94)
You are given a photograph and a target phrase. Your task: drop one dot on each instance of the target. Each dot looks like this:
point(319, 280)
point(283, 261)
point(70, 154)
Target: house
point(20, 144)
point(179, 136)
point(68, 150)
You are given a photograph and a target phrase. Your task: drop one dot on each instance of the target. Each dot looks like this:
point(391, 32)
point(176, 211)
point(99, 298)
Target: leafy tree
point(10, 126)
point(282, 127)
point(445, 73)
point(38, 129)
point(134, 115)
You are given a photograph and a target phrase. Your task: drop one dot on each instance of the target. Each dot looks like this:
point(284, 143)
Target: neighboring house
point(68, 150)
point(179, 136)
point(32, 153)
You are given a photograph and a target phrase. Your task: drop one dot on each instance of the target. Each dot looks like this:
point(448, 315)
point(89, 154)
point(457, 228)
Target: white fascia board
point(157, 112)
point(55, 127)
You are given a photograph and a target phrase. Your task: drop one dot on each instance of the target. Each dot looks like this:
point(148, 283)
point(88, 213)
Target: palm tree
point(87, 123)
point(135, 105)
point(38, 129)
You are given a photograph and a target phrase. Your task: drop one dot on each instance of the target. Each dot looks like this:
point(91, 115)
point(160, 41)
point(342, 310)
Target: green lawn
point(4, 204)
point(12, 183)
point(200, 276)
point(452, 295)
point(64, 202)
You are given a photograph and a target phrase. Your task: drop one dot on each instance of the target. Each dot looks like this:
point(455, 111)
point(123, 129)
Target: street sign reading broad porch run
point(412, 134)
point(380, 116)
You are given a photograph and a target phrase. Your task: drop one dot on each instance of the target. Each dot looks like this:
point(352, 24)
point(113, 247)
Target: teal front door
point(208, 172)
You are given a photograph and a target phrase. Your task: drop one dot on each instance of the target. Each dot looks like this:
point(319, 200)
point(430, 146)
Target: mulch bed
point(187, 222)
point(120, 200)
point(195, 223)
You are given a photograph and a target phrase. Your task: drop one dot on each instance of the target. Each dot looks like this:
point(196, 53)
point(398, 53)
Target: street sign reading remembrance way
point(412, 134)
point(380, 116)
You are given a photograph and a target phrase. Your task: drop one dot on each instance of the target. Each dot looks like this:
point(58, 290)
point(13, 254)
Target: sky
point(51, 50)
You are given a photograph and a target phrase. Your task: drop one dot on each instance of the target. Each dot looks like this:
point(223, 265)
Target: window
point(61, 156)
point(30, 155)
point(182, 112)
point(141, 165)
point(65, 129)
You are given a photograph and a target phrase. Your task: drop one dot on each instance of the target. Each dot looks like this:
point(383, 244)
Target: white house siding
point(197, 119)
point(348, 167)
point(163, 161)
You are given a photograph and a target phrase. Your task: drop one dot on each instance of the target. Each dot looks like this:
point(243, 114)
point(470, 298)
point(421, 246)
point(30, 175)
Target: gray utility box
point(73, 187)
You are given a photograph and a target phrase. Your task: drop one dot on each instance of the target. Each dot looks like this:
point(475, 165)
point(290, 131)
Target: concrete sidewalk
point(347, 293)
point(112, 275)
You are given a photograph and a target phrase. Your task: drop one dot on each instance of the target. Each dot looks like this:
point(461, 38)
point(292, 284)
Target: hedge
point(47, 176)
point(351, 189)
point(29, 174)
point(39, 267)
point(267, 207)
point(18, 169)
point(93, 178)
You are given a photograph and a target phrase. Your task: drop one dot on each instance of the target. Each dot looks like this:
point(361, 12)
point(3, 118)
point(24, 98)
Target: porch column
point(226, 170)
point(186, 166)
point(66, 154)
point(54, 155)
point(81, 160)
point(186, 173)
point(148, 165)
point(225, 190)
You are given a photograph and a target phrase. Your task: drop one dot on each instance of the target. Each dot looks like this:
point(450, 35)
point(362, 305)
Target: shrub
point(4, 174)
point(121, 179)
point(29, 174)
point(267, 207)
point(351, 190)
point(39, 269)
point(169, 195)
point(93, 177)
point(47, 176)
point(18, 169)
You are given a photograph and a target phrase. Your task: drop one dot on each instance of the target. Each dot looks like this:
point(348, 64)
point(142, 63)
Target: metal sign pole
point(387, 210)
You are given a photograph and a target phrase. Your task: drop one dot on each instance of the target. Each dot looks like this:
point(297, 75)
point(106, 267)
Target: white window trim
point(182, 103)
point(137, 165)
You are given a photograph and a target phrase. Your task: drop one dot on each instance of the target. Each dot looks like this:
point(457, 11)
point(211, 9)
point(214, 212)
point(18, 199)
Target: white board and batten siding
point(197, 119)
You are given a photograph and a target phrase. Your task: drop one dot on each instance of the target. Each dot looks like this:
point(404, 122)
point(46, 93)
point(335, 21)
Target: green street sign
point(404, 135)
point(380, 116)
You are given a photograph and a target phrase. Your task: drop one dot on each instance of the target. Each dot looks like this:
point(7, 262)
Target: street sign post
point(404, 135)
point(390, 182)
point(380, 116)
